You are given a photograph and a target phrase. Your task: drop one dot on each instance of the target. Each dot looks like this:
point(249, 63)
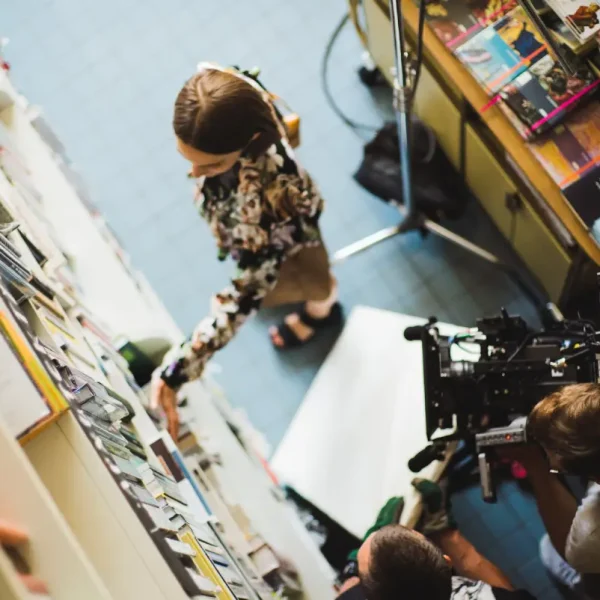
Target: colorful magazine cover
point(521, 128)
point(455, 21)
point(492, 61)
point(519, 33)
point(584, 124)
point(490, 11)
point(564, 88)
point(561, 154)
point(582, 17)
point(584, 196)
point(542, 96)
point(528, 99)
point(451, 20)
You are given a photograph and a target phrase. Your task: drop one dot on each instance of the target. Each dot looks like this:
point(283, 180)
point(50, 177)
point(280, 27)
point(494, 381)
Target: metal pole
point(402, 102)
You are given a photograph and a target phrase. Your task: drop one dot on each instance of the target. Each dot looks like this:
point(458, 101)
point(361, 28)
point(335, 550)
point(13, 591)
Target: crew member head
point(396, 562)
point(567, 425)
point(218, 116)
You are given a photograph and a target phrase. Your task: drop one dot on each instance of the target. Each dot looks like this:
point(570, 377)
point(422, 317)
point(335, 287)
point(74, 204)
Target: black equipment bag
point(439, 190)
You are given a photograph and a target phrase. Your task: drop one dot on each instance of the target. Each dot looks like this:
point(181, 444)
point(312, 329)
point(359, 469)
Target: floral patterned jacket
point(260, 212)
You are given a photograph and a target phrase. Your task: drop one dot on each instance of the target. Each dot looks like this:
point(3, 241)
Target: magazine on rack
point(543, 95)
point(456, 21)
point(570, 150)
point(501, 52)
point(584, 196)
point(491, 60)
point(581, 16)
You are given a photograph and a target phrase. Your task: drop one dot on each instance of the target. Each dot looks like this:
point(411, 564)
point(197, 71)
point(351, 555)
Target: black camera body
point(487, 399)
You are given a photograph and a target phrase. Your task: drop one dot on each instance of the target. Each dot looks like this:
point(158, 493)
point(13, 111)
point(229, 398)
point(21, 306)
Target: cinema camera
point(486, 401)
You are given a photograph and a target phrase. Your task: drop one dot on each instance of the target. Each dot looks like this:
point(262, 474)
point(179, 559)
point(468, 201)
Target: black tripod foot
point(371, 77)
point(414, 221)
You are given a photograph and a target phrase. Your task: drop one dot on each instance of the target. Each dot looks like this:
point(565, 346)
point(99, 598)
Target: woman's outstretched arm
point(257, 275)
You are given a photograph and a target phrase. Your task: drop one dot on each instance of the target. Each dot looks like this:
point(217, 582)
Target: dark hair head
point(405, 565)
point(218, 112)
point(567, 424)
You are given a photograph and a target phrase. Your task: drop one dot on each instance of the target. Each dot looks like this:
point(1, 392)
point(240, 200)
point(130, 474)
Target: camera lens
point(461, 368)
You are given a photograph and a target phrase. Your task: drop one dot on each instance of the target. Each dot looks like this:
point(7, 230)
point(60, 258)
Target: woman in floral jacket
point(262, 208)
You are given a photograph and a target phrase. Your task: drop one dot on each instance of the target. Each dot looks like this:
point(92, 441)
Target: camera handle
point(425, 457)
point(515, 433)
point(486, 478)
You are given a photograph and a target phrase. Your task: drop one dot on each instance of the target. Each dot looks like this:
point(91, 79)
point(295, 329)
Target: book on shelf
point(179, 547)
point(5, 230)
point(160, 520)
point(216, 558)
point(97, 406)
point(12, 264)
point(176, 553)
point(205, 535)
point(160, 484)
point(37, 253)
point(205, 585)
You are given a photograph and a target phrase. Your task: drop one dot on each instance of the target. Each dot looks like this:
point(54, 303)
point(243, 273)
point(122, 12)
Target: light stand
point(403, 91)
point(405, 79)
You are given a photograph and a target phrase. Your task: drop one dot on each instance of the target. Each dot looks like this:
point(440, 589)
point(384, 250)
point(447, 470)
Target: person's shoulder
point(589, 510)
point(588, 513)
point(592, 495)
point(583, 542)
point(467, 589)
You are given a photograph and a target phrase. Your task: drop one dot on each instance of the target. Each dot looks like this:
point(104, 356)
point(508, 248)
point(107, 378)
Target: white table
point(363, 418)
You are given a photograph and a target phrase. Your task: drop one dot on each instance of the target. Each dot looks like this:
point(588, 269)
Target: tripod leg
point(425, 224)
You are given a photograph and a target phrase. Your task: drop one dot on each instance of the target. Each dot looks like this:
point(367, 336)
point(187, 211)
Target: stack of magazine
point(499, 45)
point(506, 54)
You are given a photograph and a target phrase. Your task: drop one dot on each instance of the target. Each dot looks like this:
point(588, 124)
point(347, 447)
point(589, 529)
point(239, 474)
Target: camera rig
point(487, 400)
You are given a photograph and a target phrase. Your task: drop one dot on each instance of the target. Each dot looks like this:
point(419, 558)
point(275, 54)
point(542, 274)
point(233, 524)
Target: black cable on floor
point(325, 81)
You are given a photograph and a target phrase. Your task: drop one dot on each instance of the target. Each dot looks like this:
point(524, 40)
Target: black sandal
point(291, 340)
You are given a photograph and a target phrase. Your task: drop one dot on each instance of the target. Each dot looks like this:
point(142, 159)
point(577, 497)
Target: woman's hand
point(166, 398)
point(12, 535)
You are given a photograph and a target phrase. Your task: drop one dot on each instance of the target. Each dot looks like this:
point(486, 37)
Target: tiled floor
point(515, 528)
point(106, 74)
